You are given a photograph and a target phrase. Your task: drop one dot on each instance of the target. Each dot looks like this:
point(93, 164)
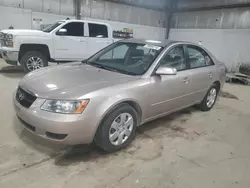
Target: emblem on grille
point(20, 96)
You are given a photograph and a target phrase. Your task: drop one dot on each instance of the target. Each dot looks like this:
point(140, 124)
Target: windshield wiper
point(126, 72)
point(101, 66)
point(92, 63)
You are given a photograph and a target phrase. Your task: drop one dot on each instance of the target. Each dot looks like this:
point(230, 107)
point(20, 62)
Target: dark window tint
point(175, 58)
point(197, 57)
point(97, 30)
point(74, 29)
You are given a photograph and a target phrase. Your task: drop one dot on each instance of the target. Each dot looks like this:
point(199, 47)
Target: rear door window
point(98, 30)
point(197, 57)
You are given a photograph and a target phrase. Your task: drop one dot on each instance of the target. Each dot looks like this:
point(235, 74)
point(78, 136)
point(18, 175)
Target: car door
point(171, 92)
point(97, 38)
point(72, 44)
point(202, 68)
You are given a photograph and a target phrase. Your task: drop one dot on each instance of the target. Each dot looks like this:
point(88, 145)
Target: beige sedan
point(104, 98)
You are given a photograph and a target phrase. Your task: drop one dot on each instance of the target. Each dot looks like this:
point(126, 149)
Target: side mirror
point(62, 32)
point(166, 71)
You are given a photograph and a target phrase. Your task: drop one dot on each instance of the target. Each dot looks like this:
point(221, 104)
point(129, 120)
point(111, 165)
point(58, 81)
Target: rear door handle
point(81, 40)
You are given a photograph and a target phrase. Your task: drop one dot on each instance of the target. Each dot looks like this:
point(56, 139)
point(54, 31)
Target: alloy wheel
point(34, 63)
point(211, 97)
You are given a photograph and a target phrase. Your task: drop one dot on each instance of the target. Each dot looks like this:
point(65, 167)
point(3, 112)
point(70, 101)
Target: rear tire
point(33, 60)
point(210, 98)
point(112, 134)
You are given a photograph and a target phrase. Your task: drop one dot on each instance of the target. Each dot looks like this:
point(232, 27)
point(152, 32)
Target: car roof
point(162, 43)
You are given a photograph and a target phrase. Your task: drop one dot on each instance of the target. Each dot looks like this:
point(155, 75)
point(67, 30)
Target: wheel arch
point(134, 104)
point(43, 48)
point(218, 84)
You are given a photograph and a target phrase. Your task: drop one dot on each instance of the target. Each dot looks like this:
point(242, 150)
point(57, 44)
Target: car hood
point(25, 32)
point(70, 81)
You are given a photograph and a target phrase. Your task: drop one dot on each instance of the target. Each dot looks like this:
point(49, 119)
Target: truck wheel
point(117, 130)
point(33, 60)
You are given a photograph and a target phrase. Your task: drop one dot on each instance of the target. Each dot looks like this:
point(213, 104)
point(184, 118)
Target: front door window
point(175, 58)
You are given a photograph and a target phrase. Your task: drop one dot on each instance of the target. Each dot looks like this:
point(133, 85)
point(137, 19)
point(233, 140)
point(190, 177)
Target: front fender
point(107, 106)
point(102, 102)
point(37, 40)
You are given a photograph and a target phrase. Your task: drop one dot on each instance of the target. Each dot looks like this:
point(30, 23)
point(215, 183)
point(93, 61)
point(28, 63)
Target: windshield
point(125, 57)
point(51, 27)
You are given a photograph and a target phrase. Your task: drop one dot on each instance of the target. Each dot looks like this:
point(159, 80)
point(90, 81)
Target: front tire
point(33, 60)
point(210, 98)
point(117, 129)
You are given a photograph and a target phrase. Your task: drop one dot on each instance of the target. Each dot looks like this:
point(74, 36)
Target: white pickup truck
point(63, 41)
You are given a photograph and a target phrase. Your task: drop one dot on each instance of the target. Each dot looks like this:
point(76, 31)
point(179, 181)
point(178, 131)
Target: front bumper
point(58, 128)
point(9, 55)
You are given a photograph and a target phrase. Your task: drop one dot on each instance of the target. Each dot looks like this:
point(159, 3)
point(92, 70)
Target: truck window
point(74, 29)
point(98, 30)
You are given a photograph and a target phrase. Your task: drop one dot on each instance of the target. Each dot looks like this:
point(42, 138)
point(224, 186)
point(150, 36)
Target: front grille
point(2, 43)
point(2, 39)
point(24, 98)
point(2, 35)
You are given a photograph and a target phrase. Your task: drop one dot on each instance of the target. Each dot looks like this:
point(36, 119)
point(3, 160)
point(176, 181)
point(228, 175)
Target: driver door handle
point(210, 75)
point(185, 80)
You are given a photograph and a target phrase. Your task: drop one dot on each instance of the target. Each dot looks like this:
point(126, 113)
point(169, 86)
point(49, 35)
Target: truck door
point(71, 44)
point(97, 38)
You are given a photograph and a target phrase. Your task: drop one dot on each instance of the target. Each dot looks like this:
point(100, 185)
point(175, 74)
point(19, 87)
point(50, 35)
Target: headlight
point(9, 36)
point(9, 44)
point(65, 107)
point(9, 40)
